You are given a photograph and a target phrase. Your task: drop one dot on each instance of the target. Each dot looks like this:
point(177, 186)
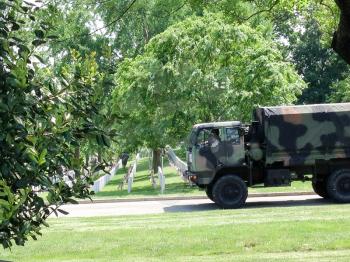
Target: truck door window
point(232, 135)
point(202, 137)
point(208, 135)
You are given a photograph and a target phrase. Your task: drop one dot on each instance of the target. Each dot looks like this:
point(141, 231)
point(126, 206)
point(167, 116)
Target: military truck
point(281, 144)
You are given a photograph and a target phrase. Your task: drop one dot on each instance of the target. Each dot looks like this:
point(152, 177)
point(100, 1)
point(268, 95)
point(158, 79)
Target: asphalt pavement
point(182, 205)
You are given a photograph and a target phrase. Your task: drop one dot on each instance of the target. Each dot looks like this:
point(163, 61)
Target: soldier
point(214, 138)
point(124, 157)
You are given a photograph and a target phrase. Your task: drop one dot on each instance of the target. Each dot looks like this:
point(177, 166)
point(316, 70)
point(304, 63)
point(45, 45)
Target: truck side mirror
point(255, 126)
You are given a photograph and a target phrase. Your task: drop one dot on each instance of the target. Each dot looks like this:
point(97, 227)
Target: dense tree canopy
point(318, 65)
point(202, 69)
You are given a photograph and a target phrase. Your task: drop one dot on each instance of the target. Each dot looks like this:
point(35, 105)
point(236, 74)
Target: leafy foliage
point(144, 20)
point(341, 91)
point(319, 66)
point(43, 120)
point(202, 69)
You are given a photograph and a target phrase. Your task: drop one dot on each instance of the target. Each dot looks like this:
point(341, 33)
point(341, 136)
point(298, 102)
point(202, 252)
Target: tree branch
point(261, 11)
point(103, 27)
point(174, 11)
point(328, 7)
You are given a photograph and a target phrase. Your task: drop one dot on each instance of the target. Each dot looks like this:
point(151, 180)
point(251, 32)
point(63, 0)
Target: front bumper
point(201, 178)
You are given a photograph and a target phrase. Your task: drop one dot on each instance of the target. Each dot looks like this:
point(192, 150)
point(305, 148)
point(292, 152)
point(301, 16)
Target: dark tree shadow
point(250, 205)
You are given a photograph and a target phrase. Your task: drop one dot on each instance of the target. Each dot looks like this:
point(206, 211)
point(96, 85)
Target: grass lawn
point(297, 186)
point(294, 233)
point(175, 186)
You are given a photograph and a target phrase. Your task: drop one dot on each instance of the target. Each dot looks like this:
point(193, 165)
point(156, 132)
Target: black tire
point(230, 192)
point(209, 192)
point(338, 186)
point(320, 188)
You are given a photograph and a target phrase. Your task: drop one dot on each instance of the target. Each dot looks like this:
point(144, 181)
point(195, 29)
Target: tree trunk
point(99, 156)
point(77, 162)
point(156, 160)
point(77, 152)
point(341, 38)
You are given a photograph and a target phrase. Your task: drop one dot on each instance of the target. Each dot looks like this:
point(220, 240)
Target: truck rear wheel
point(230, 192)
point(338, 186)
point(320, 188)
point(209, 192)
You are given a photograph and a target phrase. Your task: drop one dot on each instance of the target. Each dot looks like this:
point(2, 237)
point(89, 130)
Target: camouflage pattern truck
point(282, 144)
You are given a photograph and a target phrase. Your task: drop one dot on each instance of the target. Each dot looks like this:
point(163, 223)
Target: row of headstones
point(176, 162)
point(132, 171)
point(69, 178)
point(103, 181)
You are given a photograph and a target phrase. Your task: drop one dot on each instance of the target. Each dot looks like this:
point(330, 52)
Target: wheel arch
point(241, 172)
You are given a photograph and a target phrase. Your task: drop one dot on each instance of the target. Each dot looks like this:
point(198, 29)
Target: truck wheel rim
point(231, 192)
point(343, 186)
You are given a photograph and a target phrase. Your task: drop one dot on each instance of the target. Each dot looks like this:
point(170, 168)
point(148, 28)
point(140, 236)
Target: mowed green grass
point(175, 186)
point(294, 233)
point(296, 186)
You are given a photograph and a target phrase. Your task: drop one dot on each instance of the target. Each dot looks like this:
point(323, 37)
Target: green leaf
point(5, 204)
point(38, 42)
point(41, 159)
point(40, 59)
point(39, 33)
point(15, 26)
point(62, 211)
point(72, 201)
point(14, 82)
point(25, 8)
point(52, 37)
point(106, 140)
point(99, 140)
point(3, 5)
point(98, 168)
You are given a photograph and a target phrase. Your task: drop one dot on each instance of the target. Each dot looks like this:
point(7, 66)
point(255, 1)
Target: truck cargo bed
point(299, 135)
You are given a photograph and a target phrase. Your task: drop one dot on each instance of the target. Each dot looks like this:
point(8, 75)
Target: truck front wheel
point(320, 188)
point(230, 192)
point(209, 192)
point(338, 186)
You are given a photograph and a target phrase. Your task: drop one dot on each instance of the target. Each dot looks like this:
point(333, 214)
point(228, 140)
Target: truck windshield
point(192, 137)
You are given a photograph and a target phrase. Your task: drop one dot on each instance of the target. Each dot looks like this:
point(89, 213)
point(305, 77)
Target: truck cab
point(213, 146)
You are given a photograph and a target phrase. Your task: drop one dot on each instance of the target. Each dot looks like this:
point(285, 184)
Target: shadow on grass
point(124, 193)
point(141, 178)
point(251, 205)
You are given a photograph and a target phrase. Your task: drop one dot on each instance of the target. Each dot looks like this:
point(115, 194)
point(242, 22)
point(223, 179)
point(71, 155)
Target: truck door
point(209, 152)
point(234, 146)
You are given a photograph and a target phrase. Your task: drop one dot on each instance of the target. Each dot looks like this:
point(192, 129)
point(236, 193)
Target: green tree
point(332, 15)
point(202, 69)
point(340, 91)
point(44, 118)
point(74, 22)
point(134, 23)
point(319, 66)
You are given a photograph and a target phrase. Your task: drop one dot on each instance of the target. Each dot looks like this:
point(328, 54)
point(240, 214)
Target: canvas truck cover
point(299, 135)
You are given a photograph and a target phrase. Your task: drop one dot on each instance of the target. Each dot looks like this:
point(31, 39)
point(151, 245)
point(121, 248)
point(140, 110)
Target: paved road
point(156, 207)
